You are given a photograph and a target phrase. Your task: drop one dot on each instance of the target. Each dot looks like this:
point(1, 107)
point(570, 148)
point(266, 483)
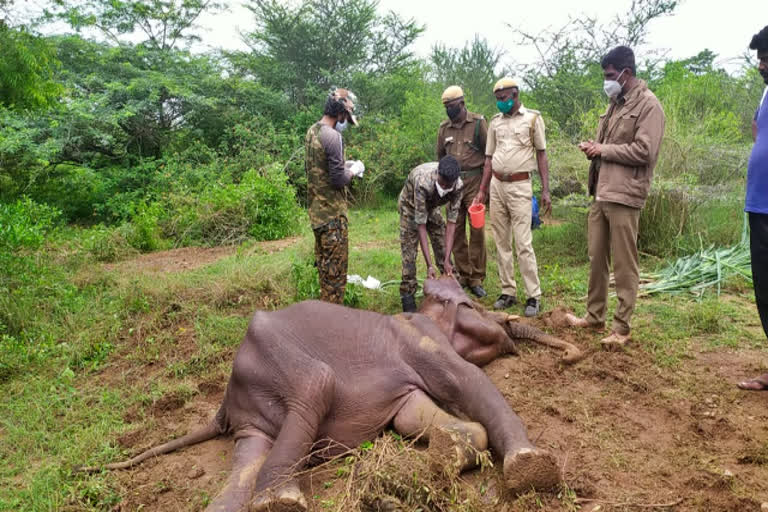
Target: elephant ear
point(446, 289)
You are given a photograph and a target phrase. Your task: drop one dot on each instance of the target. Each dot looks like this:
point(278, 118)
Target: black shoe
point(505, 301)
point(409, 303)
point(477, 291)
point(532, 307)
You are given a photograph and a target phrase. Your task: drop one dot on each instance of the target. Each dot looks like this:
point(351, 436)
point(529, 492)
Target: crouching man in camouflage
point(327, 177)
point(428, 187)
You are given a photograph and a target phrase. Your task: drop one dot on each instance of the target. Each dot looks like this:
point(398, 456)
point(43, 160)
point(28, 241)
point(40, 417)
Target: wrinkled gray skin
point(318, 376)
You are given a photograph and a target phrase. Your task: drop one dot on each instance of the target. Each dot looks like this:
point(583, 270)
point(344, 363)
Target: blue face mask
point(505, 106)
point(340, 127)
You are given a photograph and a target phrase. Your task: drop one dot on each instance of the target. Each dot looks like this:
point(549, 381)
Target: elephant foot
point(287, 498)
point(530, 468)
point(455, 449)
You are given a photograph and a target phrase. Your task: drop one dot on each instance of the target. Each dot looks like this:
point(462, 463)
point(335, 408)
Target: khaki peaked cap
point(453, 92)
point(505, 83)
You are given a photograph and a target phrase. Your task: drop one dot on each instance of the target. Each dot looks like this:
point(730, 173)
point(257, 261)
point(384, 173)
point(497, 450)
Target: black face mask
point(453, 112)
point(764, 74)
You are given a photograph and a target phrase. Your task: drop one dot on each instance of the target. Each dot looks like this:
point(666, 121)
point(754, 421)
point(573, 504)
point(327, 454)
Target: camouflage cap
point(348, 99)
point(454, 92)
point(505, 83)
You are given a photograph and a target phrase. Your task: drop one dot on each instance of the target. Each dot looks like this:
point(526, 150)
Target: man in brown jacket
point(621, 168)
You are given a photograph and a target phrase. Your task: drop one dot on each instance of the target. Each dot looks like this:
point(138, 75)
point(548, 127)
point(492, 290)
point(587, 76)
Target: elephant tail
point(213, 429)
point(518, 331)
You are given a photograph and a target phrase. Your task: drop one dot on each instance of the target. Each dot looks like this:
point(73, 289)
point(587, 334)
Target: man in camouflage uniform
point(428, 186)
point(463, 136)
point(327, 176)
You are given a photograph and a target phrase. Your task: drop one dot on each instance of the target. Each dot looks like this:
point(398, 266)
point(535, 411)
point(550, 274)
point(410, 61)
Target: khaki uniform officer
point(463, 136)
point(516, 147)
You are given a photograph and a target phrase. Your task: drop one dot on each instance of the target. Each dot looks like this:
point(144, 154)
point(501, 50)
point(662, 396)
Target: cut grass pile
point(701, 271)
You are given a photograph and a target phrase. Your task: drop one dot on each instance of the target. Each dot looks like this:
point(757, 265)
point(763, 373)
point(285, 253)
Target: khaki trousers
point(470, 258)
point(511, 219)
point(612, 232)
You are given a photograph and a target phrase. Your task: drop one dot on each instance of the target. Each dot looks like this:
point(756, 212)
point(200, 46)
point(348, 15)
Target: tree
point(303, 50)
point(27, 65)
point(163, 23)
point(475, 67)
point(565, 78)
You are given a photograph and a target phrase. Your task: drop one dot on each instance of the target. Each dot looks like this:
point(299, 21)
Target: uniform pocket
point(504, 135)
point(625, 131)
point(523, 135)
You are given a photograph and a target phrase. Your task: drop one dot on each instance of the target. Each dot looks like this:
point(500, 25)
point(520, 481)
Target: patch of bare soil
point(174, 260)
point(627, 434)
point(189, 258)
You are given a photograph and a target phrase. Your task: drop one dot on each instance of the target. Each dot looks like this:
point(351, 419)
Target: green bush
point(24, 224)
point(262, 206)
point(106, 244)
point(143, 232)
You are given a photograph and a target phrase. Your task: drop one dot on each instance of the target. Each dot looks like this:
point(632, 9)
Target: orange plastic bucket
point(477, 215)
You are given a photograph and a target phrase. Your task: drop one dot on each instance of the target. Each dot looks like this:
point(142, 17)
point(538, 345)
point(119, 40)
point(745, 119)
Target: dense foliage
point(117, 123)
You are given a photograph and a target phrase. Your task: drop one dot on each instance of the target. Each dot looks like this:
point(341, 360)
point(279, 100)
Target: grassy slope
point(125, 343)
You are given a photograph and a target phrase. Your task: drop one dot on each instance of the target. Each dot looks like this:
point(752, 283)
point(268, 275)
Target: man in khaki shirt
point(621, 169)
point(463, 136)
point(516, 147)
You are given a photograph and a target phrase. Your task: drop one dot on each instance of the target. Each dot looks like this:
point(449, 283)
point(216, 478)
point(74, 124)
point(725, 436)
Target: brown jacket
point(630, 133)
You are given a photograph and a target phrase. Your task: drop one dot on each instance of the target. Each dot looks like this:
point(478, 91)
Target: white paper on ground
point(371, 282)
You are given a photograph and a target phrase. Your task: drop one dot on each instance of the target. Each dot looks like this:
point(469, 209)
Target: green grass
point(80, 320)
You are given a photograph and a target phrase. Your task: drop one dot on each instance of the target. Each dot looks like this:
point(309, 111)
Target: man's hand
point(479, 197)
point(448, 268)
point(546, 203)
point(591, 148)
point(594, 150)
point(431, 274)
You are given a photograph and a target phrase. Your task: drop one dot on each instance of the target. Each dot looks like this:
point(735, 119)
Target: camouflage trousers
point(409, 247)
point(331, 258)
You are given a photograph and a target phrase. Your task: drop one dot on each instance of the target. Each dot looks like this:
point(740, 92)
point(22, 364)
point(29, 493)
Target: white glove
point(357, 168)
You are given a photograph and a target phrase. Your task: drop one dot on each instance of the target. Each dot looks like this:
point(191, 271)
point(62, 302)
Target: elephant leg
point(276, 488)
point(250, 453)
point(462, 386)
point(450, 438)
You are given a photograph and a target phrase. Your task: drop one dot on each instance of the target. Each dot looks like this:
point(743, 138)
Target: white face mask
point(612, 87)
point(340, 127)
point(442, 191)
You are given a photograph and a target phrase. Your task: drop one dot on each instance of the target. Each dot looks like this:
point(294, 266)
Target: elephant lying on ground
point(318, 376)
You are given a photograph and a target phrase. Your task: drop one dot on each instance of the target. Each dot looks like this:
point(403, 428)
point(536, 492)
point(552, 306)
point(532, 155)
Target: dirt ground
point(188, 258)
point(627, 433)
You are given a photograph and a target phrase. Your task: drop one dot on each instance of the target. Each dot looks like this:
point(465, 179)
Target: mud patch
point(190, 258)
